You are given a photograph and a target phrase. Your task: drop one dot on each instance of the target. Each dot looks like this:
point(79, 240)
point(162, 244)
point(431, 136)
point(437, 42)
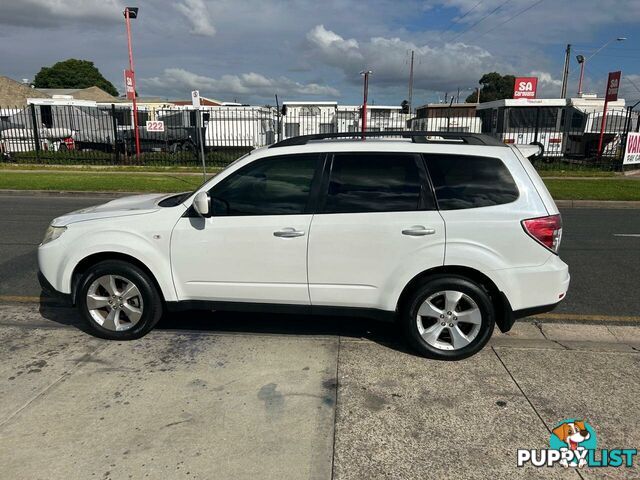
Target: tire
point(427, 334)
point(136, 298)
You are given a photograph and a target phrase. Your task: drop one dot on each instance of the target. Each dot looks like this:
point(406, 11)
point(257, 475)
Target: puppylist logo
point(573, 443)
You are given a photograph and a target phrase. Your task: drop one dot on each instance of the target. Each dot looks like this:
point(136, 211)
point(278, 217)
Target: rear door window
point(377, 182)
point(466, 181)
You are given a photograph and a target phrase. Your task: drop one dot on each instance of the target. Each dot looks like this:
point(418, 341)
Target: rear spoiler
point(530, 151)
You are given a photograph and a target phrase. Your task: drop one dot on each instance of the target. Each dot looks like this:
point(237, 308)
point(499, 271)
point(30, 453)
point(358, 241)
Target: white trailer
point(237, 126)
point(582, 122)
point(381, 118)
point(59, 122)
point(442, 117)
point(308, 118)
point(525, 121)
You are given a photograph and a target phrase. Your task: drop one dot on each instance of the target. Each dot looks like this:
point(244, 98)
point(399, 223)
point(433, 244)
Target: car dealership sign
point(525, 87)
point(632, 152)
point(613, 84)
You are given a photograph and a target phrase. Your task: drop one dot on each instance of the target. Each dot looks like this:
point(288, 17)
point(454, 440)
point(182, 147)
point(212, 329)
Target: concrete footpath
point(221, 396)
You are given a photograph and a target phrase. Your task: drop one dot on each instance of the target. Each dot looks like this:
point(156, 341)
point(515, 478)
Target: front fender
point(152, 252)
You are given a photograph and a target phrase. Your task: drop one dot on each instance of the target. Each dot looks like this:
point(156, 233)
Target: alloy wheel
point(114, 302)
point(449, 320)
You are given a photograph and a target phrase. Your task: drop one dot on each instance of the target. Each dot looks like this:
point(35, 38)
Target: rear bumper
point(535, 287)
point(48, 290)
point(531, 291)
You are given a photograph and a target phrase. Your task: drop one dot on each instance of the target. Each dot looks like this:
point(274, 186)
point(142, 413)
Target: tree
point(73, 73)
point(493, 87)
point(405, 106)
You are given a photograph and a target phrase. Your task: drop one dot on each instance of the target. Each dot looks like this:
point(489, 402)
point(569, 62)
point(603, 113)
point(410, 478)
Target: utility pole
point(411, 83)
point(366, 74)
point(565, 71)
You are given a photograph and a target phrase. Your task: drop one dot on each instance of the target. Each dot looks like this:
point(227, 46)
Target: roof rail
point(416, 137)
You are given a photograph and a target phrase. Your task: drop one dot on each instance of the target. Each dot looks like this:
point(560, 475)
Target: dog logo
point(576, 436)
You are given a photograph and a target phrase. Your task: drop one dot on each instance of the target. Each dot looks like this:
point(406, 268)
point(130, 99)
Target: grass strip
point(561, 189)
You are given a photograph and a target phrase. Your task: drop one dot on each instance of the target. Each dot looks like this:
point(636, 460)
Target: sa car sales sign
point(613, 84)
point(525, 87)
point(632, 152)
point(129, 84)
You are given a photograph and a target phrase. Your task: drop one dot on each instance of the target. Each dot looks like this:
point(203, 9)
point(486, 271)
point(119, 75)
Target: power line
point(482, 19)
point(457, 20)
point(511, 18)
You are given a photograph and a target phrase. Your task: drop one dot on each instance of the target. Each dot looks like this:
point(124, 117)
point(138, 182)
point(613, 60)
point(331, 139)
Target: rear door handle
point(288, 233)
point(418, 231)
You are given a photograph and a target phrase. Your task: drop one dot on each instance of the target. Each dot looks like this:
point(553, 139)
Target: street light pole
point(582, 60)
point(129, 13)
point(366, 74)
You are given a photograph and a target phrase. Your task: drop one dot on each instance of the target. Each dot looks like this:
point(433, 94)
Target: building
point(93, 94)
point(14, 94)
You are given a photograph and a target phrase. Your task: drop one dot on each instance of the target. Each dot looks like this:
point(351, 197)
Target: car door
point(254, 246)
point(376, 227)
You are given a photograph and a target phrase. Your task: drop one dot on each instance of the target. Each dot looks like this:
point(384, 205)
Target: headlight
point(52, 233)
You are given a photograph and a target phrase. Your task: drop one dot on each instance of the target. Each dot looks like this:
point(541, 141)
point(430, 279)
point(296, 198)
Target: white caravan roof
point(523, 102)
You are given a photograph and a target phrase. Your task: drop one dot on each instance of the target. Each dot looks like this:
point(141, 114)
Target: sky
point(249, 50)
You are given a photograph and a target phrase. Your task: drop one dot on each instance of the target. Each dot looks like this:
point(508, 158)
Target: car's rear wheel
point(448, 318)
point(118, 300)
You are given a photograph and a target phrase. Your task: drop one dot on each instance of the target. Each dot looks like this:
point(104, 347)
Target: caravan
point(525, 121)
point(47, 124)
point(442, 117)
point(307, 118)
point(582, 122)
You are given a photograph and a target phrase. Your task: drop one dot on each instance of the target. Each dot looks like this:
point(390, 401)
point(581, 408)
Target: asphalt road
point(604, 266)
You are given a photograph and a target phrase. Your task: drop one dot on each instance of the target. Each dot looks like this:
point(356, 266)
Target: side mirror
point(201, 204)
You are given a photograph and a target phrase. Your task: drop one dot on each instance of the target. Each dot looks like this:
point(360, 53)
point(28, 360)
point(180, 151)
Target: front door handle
point(288, 233)
point(418, 231)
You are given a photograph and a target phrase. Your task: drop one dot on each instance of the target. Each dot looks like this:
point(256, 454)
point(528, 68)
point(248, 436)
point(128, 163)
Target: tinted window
point(526, 117)
point(469, 182)
point(274, 186)
point(374, 183)
point(291, 129)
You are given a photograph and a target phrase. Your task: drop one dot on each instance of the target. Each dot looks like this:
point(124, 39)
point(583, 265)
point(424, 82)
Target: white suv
point(448, 235)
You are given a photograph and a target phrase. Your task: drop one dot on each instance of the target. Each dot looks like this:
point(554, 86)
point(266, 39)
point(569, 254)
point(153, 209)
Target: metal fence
point(104, 135)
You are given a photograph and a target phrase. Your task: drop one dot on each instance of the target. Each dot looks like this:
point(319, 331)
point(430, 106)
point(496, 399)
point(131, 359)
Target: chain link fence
point(75, 134)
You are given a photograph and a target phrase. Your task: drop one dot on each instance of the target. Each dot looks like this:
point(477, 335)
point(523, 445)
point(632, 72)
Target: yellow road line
point(572, 317)
point(22, 299)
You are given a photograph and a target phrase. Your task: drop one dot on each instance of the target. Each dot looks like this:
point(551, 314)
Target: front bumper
point(65, 299)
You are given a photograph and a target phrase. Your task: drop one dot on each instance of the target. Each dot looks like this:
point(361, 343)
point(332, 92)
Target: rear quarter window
point(467, 181)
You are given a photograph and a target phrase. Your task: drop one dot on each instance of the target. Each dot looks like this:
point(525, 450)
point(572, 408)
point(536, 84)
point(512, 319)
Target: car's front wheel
point(118, 300)
point(448, 318)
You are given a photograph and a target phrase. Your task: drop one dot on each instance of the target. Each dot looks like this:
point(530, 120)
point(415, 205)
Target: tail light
point(509, 140)
point(545, 230)
point(555, 140)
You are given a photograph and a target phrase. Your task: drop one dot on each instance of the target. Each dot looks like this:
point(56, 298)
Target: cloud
point(334, 49)
point(248, 86)
point(548, 87)
point(197, 15)
point(52, 13)
point(436, 67)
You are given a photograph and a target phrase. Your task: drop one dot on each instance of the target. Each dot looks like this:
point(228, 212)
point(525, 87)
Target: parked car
point(448, 234)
